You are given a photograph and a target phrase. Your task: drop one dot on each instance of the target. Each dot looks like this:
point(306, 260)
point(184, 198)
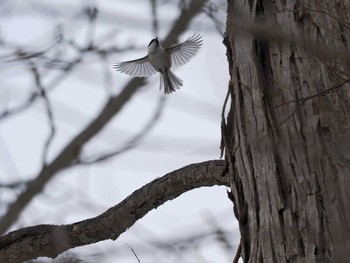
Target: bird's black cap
point(153, 40)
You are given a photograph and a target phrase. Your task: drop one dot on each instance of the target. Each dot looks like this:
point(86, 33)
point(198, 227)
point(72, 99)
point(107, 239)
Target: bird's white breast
point(159, 58)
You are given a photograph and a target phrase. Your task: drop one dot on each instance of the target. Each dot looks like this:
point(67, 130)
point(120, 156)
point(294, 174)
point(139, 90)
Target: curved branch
point(51, 240)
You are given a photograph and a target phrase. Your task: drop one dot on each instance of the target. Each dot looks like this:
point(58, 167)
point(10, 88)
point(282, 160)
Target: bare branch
point(51, 240)
point(42, 93)
point(238, 253)
point(133, 251)
point(154, 17)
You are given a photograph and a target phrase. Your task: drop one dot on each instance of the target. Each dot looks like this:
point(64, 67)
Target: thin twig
point(133, 251)
point(223, 123)
point(238, 253)
point(305, 99)
point(49, 113)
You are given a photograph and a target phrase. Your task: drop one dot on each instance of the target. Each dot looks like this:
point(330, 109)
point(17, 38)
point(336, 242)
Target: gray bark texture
point(286, 132)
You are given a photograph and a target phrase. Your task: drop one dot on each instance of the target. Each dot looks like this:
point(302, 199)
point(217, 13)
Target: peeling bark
point(287, 132)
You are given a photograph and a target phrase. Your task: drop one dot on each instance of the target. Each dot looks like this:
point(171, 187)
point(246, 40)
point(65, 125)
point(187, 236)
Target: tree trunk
point(287, 132)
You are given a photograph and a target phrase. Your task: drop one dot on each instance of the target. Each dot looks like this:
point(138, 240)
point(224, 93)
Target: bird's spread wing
point(136, 68)
point(182, 53)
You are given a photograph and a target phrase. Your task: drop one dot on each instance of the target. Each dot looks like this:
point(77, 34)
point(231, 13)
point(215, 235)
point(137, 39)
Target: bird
point(161, 60)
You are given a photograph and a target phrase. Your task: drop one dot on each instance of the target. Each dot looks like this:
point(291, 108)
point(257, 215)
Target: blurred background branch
point(70, 154)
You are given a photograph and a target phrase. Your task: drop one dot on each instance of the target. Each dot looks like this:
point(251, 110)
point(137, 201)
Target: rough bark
point(51, 240)
point(288, 146)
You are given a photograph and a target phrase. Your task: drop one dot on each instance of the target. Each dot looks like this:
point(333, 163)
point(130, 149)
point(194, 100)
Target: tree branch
point(51, 240)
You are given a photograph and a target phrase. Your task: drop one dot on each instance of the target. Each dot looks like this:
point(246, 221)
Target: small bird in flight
point(161, 59)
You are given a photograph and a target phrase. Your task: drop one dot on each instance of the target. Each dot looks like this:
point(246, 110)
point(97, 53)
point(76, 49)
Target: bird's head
point(154, 44)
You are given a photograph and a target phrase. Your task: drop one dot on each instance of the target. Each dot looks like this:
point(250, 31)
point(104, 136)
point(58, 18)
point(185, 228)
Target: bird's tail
point(170, 82)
